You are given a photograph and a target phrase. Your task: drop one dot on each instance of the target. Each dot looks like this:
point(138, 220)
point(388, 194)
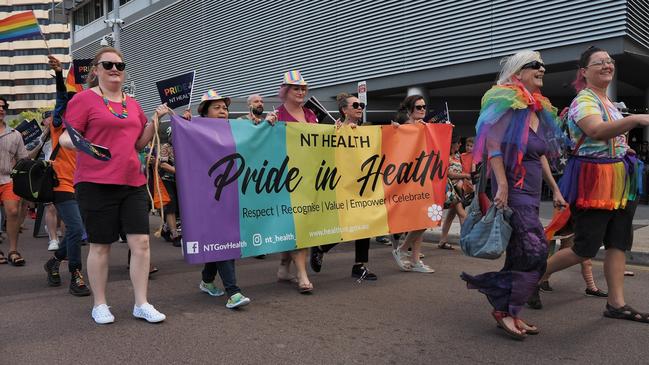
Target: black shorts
point(172, 206)
point(108, 209)
point(594, 227)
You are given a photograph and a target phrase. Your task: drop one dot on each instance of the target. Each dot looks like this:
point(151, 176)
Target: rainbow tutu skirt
point(601, 183)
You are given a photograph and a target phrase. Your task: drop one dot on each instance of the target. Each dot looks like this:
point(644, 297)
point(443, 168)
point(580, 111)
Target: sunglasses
point(108, 65)
point(420, 107)
point(357, 105)
point(534, 65)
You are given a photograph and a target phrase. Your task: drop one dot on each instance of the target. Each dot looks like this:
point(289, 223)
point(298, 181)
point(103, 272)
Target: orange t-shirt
point(65, 162)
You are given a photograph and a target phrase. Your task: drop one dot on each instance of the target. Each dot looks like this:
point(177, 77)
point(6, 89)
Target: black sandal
point(445, 246)
point(626, 312)
point(15, 258)
point(3, 259)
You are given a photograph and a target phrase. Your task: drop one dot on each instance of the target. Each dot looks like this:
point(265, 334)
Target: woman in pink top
point(292, 93)
point(112, 194)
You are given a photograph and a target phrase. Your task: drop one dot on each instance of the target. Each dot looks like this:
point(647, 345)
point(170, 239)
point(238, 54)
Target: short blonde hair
point(512, 65)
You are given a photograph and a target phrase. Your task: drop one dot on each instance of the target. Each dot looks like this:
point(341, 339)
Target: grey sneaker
point(421, 267)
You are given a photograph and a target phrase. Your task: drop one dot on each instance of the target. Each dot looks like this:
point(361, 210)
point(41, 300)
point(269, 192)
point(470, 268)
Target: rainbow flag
point(19, 26)
point(70, 81)
point(247, 190)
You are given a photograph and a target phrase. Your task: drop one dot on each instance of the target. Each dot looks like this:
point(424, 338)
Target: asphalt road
point(403, 318)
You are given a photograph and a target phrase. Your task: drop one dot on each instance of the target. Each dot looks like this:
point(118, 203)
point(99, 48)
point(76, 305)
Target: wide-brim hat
point(210, 96)
point(294, 77)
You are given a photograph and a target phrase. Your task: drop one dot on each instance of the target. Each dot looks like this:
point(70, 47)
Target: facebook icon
point(192, 247)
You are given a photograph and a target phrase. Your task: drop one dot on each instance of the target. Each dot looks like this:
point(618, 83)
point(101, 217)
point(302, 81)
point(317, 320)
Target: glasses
point(534, 65)
point(602, 63)
point(420, 107)
point(357, 105)
point(108, 65)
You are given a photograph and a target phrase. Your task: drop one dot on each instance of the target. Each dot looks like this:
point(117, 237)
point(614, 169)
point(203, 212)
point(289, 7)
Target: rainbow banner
point(19, 26)
point(246, 190)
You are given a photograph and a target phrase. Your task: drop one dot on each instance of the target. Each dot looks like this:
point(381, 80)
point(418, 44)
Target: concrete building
point(25, 76)
point(449, 51)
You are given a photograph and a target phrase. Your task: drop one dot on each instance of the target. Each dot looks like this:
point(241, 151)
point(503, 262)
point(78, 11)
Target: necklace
point(110, 108)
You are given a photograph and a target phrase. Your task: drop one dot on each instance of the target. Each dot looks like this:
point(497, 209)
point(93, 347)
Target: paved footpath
point(639, 254)
point(403, 318)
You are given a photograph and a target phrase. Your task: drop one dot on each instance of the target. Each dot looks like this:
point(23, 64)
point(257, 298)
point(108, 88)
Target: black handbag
point(35, 180)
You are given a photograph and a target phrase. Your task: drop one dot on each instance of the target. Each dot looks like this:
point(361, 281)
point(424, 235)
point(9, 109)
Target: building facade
point(25, 76)
point(449, 51)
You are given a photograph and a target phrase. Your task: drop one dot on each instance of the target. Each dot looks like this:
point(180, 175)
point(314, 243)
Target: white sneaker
point(102, 315)
point(408, 254)
point(147, 312)
point(398, 257)
point(421, 267)
point(53, 246)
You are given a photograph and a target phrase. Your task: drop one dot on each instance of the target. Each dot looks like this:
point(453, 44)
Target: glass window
point(30, 52)
point(36, 96)
point(58, 50)
point(58, 35)
point(23, 82)
point(87, 13)
point(31, 67)
point(110, 4)
point(28, 7)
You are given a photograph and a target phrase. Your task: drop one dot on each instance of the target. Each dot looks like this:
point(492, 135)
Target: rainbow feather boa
point(504, 124)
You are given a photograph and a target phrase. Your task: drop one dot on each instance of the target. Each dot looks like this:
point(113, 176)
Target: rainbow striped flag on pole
point(19, 26)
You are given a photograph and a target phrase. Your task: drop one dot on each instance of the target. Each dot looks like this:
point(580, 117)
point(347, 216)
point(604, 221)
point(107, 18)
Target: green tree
point(29, 115)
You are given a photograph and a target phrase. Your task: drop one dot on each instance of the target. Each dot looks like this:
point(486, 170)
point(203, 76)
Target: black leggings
point(362, 249)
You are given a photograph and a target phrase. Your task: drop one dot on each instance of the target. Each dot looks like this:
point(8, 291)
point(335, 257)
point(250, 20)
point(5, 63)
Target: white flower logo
point(435, 213)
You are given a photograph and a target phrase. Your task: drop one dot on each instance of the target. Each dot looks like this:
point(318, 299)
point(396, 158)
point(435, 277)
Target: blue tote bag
point(485, 236)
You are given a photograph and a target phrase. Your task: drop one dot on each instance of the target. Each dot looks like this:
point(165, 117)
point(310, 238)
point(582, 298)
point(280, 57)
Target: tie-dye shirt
point(586, 103)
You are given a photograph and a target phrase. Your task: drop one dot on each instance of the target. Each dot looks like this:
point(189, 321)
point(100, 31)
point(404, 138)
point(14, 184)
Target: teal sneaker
point(237, 300)
point(210, 289)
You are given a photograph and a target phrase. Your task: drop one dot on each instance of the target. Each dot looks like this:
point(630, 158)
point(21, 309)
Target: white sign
point(362, 97)
point(362, 92)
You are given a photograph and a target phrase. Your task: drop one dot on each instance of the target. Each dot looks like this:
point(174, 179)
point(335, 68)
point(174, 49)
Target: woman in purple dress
point(517, 131)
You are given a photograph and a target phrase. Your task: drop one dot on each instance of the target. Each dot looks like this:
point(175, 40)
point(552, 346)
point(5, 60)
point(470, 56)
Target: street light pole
point(115, 23)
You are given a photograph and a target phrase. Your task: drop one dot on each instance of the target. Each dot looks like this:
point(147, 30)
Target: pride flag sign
point(246, 190)
point(19, 26)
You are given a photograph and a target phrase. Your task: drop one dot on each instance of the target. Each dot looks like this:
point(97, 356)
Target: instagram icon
point(256, 239)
